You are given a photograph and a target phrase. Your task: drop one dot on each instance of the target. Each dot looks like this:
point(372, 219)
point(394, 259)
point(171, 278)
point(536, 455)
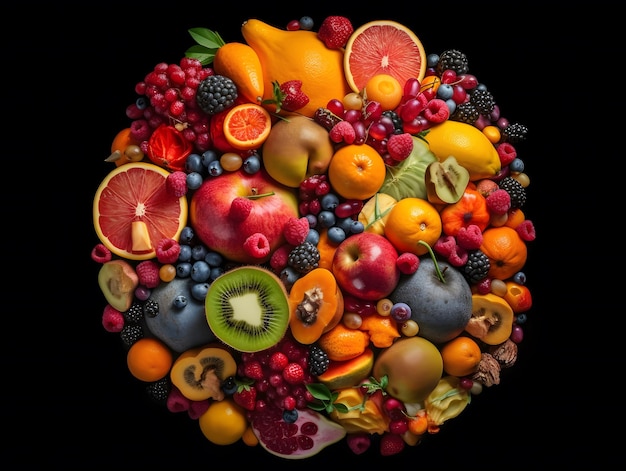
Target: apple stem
point(432, 255)
point(261, 195)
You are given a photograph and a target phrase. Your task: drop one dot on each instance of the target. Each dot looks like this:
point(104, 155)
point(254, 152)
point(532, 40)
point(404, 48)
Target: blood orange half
point(246, 126)
point(383, 47)
point(133, 211)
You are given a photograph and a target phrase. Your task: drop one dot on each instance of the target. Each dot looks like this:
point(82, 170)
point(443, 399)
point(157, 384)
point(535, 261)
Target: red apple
point(242, 216)
point(365, 266)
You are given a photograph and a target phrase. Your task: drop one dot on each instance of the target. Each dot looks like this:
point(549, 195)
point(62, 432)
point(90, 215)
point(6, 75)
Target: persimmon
point(470, 209)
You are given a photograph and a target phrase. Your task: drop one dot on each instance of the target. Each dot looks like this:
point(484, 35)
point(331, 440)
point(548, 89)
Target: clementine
point(506, 250)
point(460, 356)
point(149, 359)
point(356, 171)
point(411, 220)
point(342, 343)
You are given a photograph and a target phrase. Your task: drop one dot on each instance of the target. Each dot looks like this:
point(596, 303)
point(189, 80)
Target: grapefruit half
point(133, 211)
point(383, 47)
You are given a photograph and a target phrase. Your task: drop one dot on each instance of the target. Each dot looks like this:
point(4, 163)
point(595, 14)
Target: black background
point(70, 400)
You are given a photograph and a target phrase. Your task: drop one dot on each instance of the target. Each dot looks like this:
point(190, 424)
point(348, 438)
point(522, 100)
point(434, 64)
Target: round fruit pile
point(314, 235)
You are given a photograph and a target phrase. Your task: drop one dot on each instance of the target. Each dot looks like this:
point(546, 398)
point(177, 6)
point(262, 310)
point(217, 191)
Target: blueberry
point(252, 164)
point(216, 272)
point(329, 201)
point(326, 218)
point(312, 220)
point(401, 312)
point(520, 277)
point(336, 234)
point(215, 168)
point(521, 318)
point(313, 236)
point(194, 180)
point(306, 23)
point(180, 301)
point(213, 258)
point(142, 103)
point(185, 253)
point(451, 104)
point(199, 252)
point(193, 163)
point(208, 157)
point(432, 60)
point(517, 165)
point(200, 271)
point(183, 269)
point(199, 291)
point(229, 386)
point(445, 91)
point(357, 227)
point(290, 416)
point(288, 276)
point(186, 235)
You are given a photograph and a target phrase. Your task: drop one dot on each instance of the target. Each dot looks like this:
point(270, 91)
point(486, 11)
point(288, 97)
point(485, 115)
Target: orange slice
point(133, 211)
point(383, 47)
point(246, 126)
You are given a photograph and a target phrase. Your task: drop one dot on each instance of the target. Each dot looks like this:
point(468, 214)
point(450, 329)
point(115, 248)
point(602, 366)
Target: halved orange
point(133, 211)
point(383, 47)
point(246, 126)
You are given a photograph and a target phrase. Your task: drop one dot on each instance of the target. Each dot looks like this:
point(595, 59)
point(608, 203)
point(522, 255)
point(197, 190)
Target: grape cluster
point(167, 95)
point(324, 209)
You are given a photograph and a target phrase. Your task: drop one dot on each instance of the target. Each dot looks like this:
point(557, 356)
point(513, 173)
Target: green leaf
point(319, 391)
point(206, 37)
point(201, 53)
point(342, 408)
point(316, 406)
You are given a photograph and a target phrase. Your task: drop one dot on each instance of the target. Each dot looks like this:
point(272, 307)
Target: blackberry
point(151, 308)
point(465, 113)
point(483, 101)
point(515, 190)
point(514, 133)
point(477, 266)
point(318, 360)
point(304, 257)
point(397, 121)
point(452, 59)
point(159, 390)
point(134, 315)
point(216, 93)
point(325, 118)
point(131, 333)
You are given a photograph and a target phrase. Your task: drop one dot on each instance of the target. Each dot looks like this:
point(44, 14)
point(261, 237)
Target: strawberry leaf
point(208, 44)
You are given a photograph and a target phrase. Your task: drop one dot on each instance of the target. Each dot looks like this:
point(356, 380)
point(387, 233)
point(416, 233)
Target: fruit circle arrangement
point(311, 235)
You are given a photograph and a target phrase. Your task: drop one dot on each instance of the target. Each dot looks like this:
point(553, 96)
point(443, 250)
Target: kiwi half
point(247, 308)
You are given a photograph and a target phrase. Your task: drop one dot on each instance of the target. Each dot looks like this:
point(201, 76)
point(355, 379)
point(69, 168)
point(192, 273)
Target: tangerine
point(383, 47)
point(385, 89)
point(356, 171)
point(342, 343)
point(246, 126)
point(515, 217)
point(506, 250)
point(133, 210)
point(149, 359)
point(411, 220)
point(224, 422)
point(460, 356)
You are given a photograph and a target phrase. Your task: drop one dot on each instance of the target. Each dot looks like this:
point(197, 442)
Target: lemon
point(471, 148)
point(224, 422)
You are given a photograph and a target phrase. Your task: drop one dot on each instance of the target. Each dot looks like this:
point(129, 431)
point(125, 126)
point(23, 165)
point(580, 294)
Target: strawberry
point(391, 444)
point(253, 369)
point(335, 31)
point(293, 373)
point(288, 96)
point(245, 396)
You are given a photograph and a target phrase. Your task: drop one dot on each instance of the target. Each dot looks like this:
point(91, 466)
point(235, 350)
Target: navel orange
point(460, 356)
point(506, 250)
point(411, 220)
point(356, 171)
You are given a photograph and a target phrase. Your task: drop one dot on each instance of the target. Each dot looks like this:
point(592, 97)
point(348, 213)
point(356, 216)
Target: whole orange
point(460, 356)
point(149, 359)
point(385, 89)
point(506, 250)
point(411, 220)
point(356, 171)
point(224, 422)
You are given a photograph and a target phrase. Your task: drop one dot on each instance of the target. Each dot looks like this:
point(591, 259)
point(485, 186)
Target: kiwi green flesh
point(247, 308)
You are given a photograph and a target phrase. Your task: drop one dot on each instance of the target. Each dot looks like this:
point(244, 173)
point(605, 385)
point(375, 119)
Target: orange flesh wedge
point(246, 126)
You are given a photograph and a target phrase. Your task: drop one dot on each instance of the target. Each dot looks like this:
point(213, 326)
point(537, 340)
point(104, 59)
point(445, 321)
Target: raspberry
point(197, 408)
point(335, 31)
point(436, 111)
point(359, 442)
point(112, 319)
point(399, 146)
point(176, 183)
point(280, 257)
point(458, 257)
point(445, 245)
point(296, 230)
point(343, 131)
point(293, 373)
point(240, 208)
point(526, 230)
point(176, 402)
point(408, 263)
point(101, 254)
point(148, 273)
point(167, 251)
point(257, 245)
point(469, 237)
point(507, 153)
point(391, 444)
point(498, 201)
